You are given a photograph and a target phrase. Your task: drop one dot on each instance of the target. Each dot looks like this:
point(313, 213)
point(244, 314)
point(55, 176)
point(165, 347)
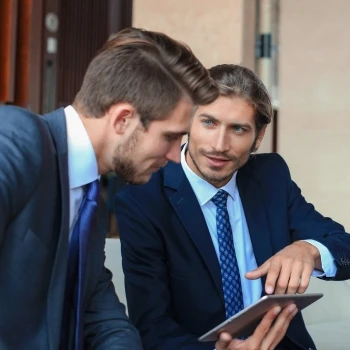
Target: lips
point(217, 162)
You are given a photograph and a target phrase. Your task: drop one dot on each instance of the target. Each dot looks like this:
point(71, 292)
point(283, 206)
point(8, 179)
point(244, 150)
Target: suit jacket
point(34, 239)
point(172, 274)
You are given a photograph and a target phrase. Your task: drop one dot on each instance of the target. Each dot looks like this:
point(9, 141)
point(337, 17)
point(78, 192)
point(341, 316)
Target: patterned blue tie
point(231, 280)
point(77, 264)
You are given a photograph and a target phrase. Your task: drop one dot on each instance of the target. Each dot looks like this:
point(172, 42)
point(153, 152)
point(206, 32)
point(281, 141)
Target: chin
point(140, 180)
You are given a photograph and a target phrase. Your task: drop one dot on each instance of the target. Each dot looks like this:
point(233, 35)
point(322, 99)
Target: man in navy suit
point(223, 220)
point(134, 106)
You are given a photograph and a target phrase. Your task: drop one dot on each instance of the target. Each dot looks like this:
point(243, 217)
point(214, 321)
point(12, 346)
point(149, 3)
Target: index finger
point(258, 272)
point(272, 276)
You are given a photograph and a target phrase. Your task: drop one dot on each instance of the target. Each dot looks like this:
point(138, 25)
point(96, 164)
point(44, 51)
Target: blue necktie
point(77, 264)
point(231, 281)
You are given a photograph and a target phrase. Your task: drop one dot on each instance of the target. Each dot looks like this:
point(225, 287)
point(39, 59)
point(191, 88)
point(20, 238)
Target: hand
point(289, 270)
point(267, 334)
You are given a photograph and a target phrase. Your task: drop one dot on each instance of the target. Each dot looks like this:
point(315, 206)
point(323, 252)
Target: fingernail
point(269, 290)
point(291, 308)
point(277, 310)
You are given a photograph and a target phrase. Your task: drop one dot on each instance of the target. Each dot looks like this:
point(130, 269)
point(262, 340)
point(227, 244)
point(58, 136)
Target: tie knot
point(92, 190)
point(220, 199)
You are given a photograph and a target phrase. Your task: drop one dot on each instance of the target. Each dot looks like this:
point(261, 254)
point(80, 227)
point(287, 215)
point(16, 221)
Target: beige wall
point(221, 31)
point(314, 124)
point(213, 29)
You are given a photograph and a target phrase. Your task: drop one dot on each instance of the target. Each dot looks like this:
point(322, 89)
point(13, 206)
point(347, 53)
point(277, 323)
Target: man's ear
point(122, 117)
point(260, 138)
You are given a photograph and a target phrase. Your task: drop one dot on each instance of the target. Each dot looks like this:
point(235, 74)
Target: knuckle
point(251, 344)
point(303, 285)
point(293, 262)
point(293, 286)
point(265, 328)
point(276, 261)
point(280, 285)
point(278, 334)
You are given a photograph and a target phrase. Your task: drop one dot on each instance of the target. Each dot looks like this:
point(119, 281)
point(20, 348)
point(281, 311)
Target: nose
point(174, 153)
point(221, 141)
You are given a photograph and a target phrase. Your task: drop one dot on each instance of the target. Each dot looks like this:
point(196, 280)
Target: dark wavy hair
point(149, 70)
point(234, 80)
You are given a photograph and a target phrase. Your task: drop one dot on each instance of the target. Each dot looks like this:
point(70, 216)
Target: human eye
point(171, 138)
point(207, 122)
point(239, 129)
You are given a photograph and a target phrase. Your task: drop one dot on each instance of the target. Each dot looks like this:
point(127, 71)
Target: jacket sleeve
point(106, 323)
point(21, 158)
point(147, 283)
point(307, 223)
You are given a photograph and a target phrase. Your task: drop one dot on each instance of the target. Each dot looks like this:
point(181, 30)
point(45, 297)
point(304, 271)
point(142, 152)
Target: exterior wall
point(314, 122)
point(213, 29)
point(217, 31)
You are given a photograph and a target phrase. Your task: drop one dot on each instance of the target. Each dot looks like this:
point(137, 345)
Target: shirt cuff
point(327, 260)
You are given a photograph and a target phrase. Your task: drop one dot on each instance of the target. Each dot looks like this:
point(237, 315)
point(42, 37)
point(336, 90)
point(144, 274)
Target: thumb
point(258, 272)
point(226, 342)
point(223, 341)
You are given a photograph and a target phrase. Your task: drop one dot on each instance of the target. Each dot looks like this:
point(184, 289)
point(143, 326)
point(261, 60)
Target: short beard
point(123, 164)
point(212, 178)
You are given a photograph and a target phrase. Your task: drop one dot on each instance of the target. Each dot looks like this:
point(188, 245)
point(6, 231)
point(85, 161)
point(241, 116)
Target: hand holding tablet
point(245, 322)
point(267, 335)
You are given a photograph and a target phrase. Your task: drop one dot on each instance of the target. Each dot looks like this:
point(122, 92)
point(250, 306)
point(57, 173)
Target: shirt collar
point(82, 163)
point(203, 190)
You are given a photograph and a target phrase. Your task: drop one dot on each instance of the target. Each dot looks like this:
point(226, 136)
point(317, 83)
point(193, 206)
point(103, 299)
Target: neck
point(96, 130)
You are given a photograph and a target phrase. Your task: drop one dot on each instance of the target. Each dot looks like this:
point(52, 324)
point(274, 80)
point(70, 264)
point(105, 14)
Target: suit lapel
point(57, 125)
point(255, 213)
point(187, 208)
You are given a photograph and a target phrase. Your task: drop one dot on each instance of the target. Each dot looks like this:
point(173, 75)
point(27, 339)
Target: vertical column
point(249, 33)
point(50, 54)
point(35, 73)
point(8, 24)
point(265, 36)
point(264, 61)
point(23, 53)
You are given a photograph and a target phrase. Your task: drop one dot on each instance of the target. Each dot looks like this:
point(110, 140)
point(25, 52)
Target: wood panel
point(8, 18)
point(84, 26)
point(22, 52)
point(83, 30)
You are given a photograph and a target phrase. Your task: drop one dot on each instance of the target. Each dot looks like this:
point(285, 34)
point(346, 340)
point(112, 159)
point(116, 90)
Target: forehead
point(229, 110)
point(178, 120)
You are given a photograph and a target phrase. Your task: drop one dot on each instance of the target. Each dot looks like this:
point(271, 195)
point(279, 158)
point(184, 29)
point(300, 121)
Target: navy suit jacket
point(34, 238)
point(172, 274)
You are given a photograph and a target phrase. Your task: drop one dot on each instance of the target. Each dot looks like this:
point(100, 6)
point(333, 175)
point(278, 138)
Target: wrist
point(315, 253)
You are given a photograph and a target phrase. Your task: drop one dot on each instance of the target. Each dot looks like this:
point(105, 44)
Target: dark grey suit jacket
point(34, 229)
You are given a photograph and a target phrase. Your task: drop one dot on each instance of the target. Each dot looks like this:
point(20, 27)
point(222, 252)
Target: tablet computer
point(245, 321)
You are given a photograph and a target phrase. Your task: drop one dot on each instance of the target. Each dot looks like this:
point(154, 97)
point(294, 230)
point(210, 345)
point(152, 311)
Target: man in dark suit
point(207, 237)
point(133, 108)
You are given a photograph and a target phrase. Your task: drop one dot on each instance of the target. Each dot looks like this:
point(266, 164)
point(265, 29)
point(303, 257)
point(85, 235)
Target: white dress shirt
point(82, 163)
point(204, 192)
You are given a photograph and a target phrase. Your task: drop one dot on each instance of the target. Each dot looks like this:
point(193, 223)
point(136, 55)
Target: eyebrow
point(175, 133)
point(212, 118)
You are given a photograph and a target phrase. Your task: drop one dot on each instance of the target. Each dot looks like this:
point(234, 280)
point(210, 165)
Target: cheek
point(156, 149)
point(205, 134)
point(199, 139)
point(242, 144)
